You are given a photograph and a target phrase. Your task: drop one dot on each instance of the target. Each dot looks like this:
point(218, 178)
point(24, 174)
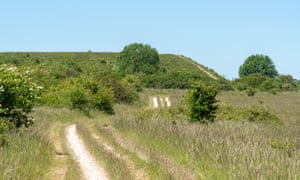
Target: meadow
point(226, 149)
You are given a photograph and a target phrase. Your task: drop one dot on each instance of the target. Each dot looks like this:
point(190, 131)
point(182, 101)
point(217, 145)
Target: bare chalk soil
point(88, 165)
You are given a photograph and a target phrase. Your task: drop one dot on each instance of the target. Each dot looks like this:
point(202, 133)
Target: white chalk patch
point(155, 102)
point(162, 101)
point(168, 101)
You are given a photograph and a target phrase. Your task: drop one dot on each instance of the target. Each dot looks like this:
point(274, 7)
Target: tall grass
point(28, 153)
point(225, 149)
point(32, 153)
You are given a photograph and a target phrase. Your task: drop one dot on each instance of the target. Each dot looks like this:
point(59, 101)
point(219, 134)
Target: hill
point(176, 71)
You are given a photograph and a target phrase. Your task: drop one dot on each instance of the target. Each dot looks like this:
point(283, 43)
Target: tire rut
point(90, 169)
point(175, 170)
point(138, 174)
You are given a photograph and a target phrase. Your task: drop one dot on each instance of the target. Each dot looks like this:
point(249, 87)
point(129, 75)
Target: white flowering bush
point(17, 96)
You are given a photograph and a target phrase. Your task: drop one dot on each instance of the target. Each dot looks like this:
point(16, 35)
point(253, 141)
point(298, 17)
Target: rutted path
point(90, 168)
point(175, 170)
point(138, 174)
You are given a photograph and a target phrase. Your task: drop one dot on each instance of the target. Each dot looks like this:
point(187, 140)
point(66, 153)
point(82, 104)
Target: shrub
point(123, 92)
point(103, 100)
point(255, 113)
point(261, 114)
point(201, 100)
point(79, 99)
point(251, 81)
point(133, 81)
point(17, 97)
point(88, 94)
point(250, 92)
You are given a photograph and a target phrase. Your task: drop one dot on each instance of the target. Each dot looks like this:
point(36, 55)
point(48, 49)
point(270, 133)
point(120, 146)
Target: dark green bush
point(123, 91)
point(103, 101)
point(201, 101)
point(79, 99)
point(87, 95)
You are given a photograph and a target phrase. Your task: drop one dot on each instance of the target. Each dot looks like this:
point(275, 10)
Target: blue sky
point(218, 34)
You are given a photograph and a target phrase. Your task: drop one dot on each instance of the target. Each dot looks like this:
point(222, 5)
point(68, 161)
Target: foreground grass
point(40, 152)
point(28, 153)
point(162, 142)
point(225, 149)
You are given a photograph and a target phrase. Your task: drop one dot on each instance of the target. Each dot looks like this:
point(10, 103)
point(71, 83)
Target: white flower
point(2, 89)
point(12, 68)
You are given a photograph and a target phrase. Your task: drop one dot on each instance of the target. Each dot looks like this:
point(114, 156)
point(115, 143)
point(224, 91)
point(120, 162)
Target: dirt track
point(90, 169)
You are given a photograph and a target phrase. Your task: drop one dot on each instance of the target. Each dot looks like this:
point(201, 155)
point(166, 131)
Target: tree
point(260, 64)
point(138, 58)
point(201, 101)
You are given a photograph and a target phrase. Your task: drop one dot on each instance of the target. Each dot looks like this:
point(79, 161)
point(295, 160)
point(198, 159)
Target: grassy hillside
point(88, 61)
point(175, 71)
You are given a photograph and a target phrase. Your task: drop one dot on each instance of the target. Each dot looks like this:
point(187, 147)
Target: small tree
point(258, 64)
point(138, 58)
point(201, 100)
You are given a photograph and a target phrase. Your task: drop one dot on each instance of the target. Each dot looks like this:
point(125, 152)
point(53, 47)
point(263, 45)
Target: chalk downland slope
point(174, 72)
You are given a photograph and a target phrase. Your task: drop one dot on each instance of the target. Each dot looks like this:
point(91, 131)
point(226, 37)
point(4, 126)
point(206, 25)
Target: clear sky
point(219, 34)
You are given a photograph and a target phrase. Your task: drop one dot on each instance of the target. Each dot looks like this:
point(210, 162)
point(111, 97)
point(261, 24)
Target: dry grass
point(225, 149)
point(163, 143)
point(40, 152)
point(28, 154)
